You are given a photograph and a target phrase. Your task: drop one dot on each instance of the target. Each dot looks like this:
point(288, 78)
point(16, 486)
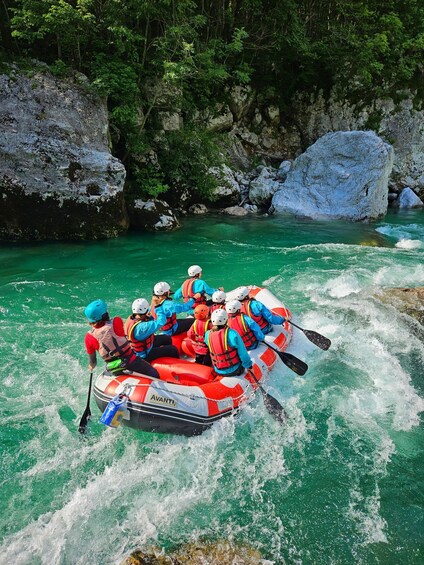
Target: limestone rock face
point(343, 175)
point(58, 179)
point(152, 215)
point(227, 192)
point(401, 122)
point(263, 188)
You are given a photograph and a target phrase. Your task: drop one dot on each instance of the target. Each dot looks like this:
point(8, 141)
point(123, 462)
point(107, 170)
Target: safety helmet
point(161, 288)
point(95, 310)
point(241, 292)
point(194, 270)
point(201, 312)
point(233, 306)
point(219, 317)
point(140, 306)
point(218, 297)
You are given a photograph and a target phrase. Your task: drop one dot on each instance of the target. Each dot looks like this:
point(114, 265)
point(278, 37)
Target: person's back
point(257, 311)
point(162, 297)
point(247, 328)
point(194, 285)
point(107, 337)
point(197, 332)
point(228, 353)
point(140, 330)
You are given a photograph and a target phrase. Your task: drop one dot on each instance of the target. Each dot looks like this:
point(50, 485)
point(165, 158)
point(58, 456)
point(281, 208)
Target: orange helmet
point(201, 312)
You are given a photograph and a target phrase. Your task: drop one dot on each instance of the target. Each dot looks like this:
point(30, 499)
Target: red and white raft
point(188, 399)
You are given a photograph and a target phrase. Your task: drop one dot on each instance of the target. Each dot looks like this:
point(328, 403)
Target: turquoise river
point(341, 483)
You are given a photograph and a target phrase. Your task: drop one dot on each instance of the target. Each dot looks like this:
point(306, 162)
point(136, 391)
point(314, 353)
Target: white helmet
point(241, 292)
point(219, 317)
point(161, 288)
point(140, 306)
point(233, 306)
point(194, 270)
point(219, 297)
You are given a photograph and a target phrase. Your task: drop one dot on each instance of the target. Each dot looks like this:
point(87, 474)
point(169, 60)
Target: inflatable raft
point(187, 399)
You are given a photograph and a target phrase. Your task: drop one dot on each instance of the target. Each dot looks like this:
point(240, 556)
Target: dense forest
point(199, 49)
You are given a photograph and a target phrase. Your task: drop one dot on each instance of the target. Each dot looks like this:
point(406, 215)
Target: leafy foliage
point(133, 51)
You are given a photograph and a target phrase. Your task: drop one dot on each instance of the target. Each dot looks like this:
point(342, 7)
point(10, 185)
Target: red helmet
point(201, 312)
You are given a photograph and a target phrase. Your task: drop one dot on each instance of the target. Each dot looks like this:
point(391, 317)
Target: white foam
point(409, 244)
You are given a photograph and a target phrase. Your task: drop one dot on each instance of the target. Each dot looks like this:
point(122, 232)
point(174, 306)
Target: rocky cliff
point(58, 178)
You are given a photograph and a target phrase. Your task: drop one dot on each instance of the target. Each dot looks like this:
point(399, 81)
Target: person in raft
point(140, 330)
point(162, 297)
point(248, 330)
point(218, 300)
point(193, 285)
point(228, 352)
point(197, 333)
point(108, 338)
point(257, 311)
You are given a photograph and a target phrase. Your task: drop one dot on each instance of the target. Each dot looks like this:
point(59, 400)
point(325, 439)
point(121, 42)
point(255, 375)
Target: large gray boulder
point(343, 175)
point(58, 179)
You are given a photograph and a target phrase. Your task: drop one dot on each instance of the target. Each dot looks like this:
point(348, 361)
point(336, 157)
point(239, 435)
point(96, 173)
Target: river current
point(341, 482)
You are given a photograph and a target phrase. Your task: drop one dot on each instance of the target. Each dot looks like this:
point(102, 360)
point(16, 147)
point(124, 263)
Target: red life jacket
point(223, 356)
point(136, 345)
point(170, 321)
point(238, 323)
point(111, 345)
point(247, 309)
point(200, 327)
point(187, 292)
point(216, 307)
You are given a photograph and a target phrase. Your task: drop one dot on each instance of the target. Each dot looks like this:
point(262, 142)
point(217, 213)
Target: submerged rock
point(221, 552)
point(58, 179)
point(407, 300)
point(343, 175)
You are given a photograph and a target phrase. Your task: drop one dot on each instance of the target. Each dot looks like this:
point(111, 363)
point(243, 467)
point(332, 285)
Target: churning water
point(342, 482)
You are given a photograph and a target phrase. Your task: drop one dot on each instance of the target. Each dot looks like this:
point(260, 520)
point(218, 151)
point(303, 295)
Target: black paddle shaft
point(271, 403)
point(87, 412)
point(294, 363)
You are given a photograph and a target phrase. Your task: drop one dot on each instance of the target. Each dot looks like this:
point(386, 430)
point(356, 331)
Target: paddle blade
point(274, 407)
point(84, 421)
point(320, 340)
point(293, 363)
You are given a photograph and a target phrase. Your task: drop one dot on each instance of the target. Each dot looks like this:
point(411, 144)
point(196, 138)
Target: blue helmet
point(95, 310)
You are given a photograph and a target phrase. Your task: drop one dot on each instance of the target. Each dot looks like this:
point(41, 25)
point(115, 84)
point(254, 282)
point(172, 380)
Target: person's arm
point(91, 345)
point(185, 307)
point(236, 341)
point(144, 329)
point(261, 310)
point(178, 293)
point(260, 336)
point(201, 286)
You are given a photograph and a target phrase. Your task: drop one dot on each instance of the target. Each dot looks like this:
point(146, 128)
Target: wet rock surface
point(407, 300)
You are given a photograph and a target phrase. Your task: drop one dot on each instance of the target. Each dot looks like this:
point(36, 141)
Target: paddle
point(294, 363)
point(316, 338)
point(87, 412)
point(271, 403)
